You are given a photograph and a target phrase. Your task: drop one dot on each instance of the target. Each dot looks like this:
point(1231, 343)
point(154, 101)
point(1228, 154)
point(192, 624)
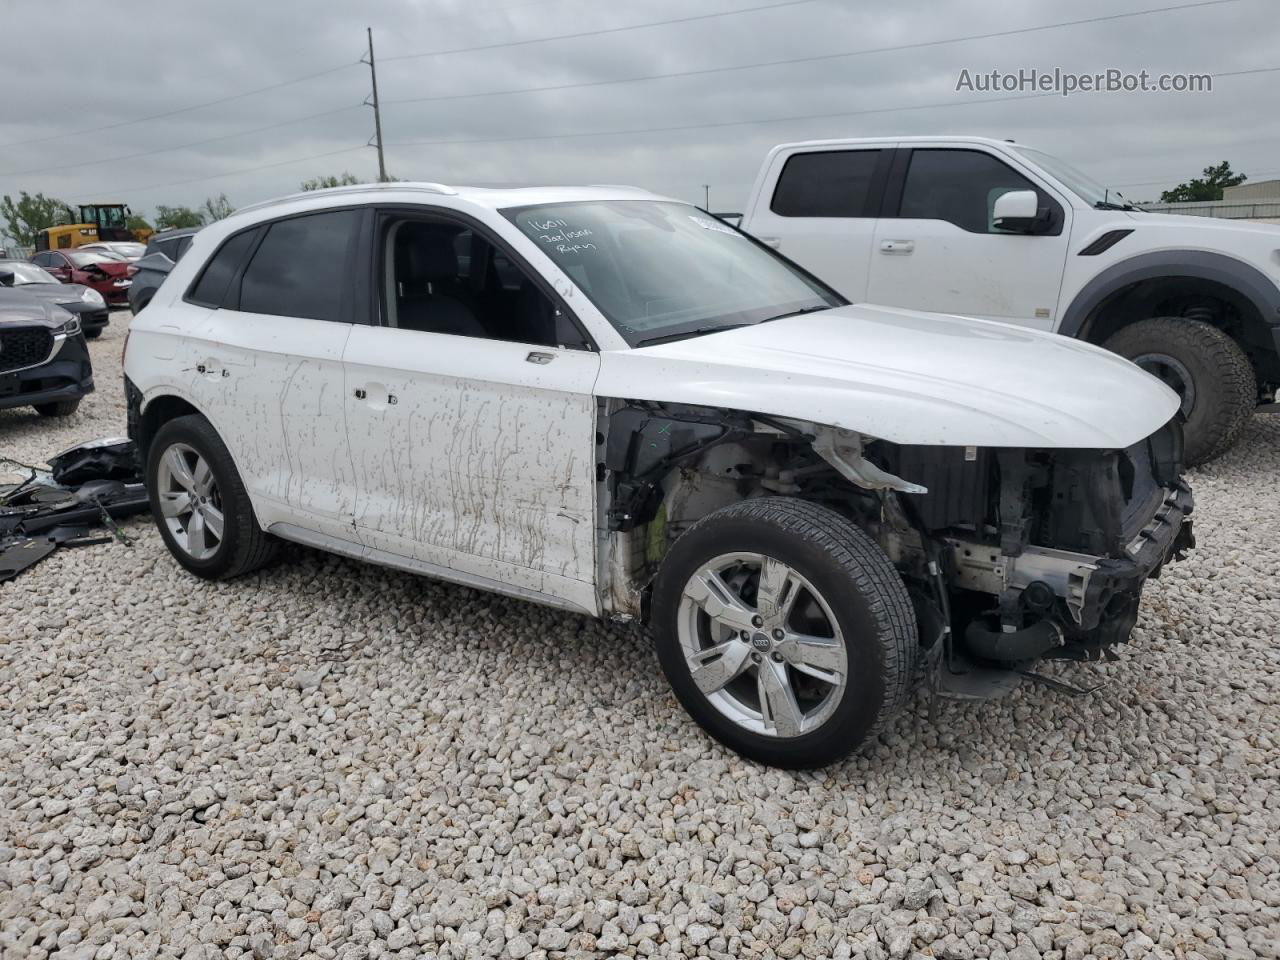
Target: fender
point(1246, 280)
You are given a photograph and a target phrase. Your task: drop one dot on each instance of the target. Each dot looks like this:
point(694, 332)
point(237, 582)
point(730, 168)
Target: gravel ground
point(333, 760)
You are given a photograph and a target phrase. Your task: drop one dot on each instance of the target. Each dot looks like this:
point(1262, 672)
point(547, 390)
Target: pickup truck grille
point(22, 347)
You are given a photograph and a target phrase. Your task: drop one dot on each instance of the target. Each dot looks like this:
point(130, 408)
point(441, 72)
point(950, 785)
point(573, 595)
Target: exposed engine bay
point(1010, 555)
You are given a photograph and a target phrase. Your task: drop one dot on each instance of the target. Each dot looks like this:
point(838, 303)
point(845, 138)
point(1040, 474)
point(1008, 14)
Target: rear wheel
point(1208, 371)
point(199, 502)
point(59, 408)
point(784, 630)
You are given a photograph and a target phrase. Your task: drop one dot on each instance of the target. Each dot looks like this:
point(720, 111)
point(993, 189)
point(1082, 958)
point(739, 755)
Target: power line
point(196, 106)
point(181, 146)
point(813, 58)
point(233, 173)
point(597, 33)
point(726, 123)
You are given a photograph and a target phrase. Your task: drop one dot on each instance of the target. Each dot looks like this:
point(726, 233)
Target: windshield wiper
point(1108, 205)
point(796, 313)
point(685, 334)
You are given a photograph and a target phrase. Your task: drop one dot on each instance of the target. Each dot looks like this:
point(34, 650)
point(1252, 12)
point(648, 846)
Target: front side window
point(960, 187)
point(444, 277)
point(661, 270)
point(300, 268)
point(828, 184)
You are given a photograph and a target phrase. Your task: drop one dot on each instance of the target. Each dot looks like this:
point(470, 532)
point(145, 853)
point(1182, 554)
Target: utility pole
point(706, 197)
point(377, 114)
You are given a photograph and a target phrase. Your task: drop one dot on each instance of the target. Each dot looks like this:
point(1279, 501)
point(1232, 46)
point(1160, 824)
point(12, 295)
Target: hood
point(63, 294)
point(112, 268)
point(906, 377)
point(17, 309)
point(1219, 224)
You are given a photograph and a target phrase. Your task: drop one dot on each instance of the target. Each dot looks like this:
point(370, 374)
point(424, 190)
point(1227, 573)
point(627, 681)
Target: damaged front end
point(1010, 555)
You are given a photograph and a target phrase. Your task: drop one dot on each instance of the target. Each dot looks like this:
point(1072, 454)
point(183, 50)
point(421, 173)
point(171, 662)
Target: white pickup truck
point(998, 230)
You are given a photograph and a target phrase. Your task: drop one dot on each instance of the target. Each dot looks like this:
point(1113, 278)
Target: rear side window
point(300, 268)
point(212, 285)
point(830, 184)
point(960, 187)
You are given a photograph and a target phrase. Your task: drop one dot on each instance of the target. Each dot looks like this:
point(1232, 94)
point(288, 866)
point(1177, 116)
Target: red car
point(104, 272)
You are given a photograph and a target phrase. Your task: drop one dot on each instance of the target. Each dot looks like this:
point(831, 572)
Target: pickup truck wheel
point(784, 630)
point(199, 502)
point(1206, 368)
point(59, 408)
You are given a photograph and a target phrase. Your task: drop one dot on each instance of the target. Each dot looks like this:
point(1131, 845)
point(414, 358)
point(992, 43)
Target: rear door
point(937, 249)
point(818, 205)
point(279, 309)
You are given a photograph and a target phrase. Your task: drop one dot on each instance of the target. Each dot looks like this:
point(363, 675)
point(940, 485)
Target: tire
point(1222, 391)
point(58, 408)
point(243, 545)
point(835, 572)
point(93, 334)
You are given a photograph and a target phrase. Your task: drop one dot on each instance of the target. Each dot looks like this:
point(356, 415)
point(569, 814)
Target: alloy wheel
point(762, 645)
point(189, 501)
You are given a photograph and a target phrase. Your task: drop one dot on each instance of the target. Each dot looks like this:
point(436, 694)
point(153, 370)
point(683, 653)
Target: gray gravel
point(332, 760)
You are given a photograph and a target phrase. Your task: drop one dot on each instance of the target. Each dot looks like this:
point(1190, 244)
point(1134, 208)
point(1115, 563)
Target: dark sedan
point(105, 272)
point(85, 302)
point(44, 360)
point(164, 250)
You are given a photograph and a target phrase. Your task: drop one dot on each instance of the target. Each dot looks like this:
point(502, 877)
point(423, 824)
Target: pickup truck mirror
point(1018, 211)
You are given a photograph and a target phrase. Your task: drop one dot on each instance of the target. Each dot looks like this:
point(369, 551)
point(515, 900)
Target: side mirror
point(1018, 212)
point(6, 278)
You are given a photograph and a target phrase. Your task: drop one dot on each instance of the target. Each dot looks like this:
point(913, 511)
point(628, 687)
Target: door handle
point(775, 242)
point(536, 356)
point(897, 246)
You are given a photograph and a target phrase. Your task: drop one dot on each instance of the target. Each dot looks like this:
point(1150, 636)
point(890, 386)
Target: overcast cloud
point(70, 66)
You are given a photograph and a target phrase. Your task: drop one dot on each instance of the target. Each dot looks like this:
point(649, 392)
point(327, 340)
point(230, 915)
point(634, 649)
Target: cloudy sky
point(98, 106)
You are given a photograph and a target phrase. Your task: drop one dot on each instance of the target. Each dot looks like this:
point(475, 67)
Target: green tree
point(324, 183)
point(136, 223)
point(1207, 187)
point(215, 208)
point(31, 214)
point(170, 218)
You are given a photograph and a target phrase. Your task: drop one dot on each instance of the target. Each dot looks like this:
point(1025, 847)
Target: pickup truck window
point(958, 186)
point(828, 184)
point(660, 270)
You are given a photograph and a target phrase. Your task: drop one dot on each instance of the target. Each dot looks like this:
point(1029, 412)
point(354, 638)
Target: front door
point(941, 252)
point(472, 419)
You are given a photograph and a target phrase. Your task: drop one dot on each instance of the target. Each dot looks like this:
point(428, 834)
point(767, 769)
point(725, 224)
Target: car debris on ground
point(85, 488)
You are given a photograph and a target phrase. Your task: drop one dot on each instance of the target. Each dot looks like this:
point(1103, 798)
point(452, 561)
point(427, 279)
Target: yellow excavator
point(98, 222)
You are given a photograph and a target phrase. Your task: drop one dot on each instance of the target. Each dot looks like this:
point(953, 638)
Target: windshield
point(661, 270)
point(1085, 187)
point(24, 272)
point(83, 258)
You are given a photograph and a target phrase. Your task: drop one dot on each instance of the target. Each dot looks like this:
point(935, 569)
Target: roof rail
point(438, 189)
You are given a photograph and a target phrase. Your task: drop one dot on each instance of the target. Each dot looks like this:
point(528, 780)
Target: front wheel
point(784, 630)
point(1206, 368)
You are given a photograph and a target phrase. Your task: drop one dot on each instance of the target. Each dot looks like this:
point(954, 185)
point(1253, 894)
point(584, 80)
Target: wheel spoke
point(714, 667)
point(179, 470)
point(196, 543)
point(718, 601)
point(778, 707)
point(821, 657)
point(202, 477)
point(174, 503)
point(213, 521)
point(777, 590)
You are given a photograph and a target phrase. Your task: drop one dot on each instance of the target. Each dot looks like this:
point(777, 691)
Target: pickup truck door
point(474, 451)
point(818, 207)
point(935, 248)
